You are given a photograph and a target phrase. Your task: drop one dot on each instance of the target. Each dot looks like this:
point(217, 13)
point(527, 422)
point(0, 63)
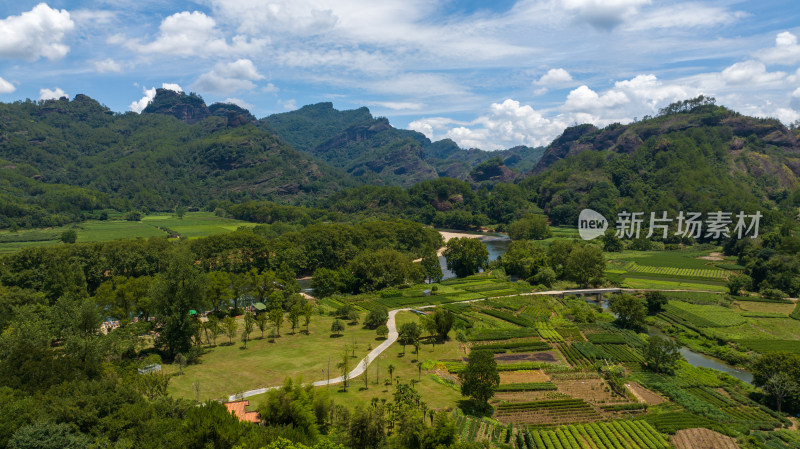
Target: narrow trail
point(393, 335)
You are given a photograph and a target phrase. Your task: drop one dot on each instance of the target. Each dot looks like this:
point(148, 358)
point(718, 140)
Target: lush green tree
point(585, 264)
point(442, 320)
point(47, 435)
point(431, 268)
point(655, 302)
point(337, 327)
point(294, 316)
point(308, 311)
point(630, 310)
point(219, 284)
point(524, 258)
point(557, 254)
point(326, 281)
point(545, 276)
point(533, 227)
point(772, 372)
point(466, 256)
point(230, 326)
point(376, 317)
point(69, 236)
point(214, 328)
point(382, 331)
point(409, 333)
point(612, 243)
point(261, 321)
point(376, 270)
point(276, 317)
point(737, 282)
point(367, 426)
point(249, 324)
point(480, 379)
point(661, 355)
point(301, 406)
point(175, 292)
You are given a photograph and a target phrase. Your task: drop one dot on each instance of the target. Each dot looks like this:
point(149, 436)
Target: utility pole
point(328, 384)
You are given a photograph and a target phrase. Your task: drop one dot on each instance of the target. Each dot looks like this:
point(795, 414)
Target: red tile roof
point(239, 409)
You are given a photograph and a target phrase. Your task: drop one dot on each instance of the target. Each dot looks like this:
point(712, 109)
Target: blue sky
point(486, 74)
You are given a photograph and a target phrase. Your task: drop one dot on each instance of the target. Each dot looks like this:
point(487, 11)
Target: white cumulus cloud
point(554, 76)
point(506, 124)
point(52, 94)
point(584, 99)
point(38, 33)
point(195, 34)
point(785, 52)
point(227, 78)
point(107, 65)
point(6, 87)
point(750, 72)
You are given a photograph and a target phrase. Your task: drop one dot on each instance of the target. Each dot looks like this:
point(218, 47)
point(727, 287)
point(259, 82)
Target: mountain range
point(62, 160)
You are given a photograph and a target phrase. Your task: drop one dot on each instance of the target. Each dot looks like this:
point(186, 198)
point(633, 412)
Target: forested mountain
point(693, 156)
point(375, 152)
point(156, 160)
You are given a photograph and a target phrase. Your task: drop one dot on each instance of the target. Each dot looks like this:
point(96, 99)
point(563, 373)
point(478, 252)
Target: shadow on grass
point(475, 408)
point(337, 335)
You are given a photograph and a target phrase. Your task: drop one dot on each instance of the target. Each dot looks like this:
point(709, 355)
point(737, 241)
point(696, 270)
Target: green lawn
point(227, 369)
point(435, 394)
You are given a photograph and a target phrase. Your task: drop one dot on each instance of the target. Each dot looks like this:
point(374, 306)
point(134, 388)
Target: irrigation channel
point(497, 244)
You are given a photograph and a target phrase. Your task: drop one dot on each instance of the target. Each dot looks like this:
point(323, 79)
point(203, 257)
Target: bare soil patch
point(520, 377)
point(702, 439)
point(715, 256)
point(543, 356)
point(644, 395)
point(590, 390)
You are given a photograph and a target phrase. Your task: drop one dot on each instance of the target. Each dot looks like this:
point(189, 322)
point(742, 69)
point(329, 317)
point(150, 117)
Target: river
point(693, 358)
point(497, 244)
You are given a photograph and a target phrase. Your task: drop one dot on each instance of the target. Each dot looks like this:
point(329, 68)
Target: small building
point(154, 368)
point(239, 409)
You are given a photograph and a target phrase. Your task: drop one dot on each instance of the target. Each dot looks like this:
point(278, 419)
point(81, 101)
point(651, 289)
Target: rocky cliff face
point(186, 108)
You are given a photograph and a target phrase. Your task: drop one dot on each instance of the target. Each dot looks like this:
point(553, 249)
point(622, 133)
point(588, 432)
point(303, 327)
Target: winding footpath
point(393, 335)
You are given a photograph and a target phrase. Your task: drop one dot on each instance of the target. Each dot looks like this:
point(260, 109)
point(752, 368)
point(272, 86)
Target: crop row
point(621, 353)
point(571, 333)
point(548, 333)
point(625, 407)
point(501, 334)
point(457, 367)
point(613, 435)
point(539, 405)
point(527, 386)
point(505, 316)
point(589, 350)
point(673, 271)
point(771, 345)
point(704, 315)
point(529, 345)
point(573, 356)
point(606, 338)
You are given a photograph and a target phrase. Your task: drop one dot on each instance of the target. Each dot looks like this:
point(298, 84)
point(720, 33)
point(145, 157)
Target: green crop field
point(192, 225)
point(712, 273)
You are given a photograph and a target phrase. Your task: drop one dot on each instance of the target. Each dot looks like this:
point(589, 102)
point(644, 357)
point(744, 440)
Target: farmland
point(191, 225)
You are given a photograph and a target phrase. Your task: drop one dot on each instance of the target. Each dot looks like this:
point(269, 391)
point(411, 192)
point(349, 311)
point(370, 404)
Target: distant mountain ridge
point(372, 150)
